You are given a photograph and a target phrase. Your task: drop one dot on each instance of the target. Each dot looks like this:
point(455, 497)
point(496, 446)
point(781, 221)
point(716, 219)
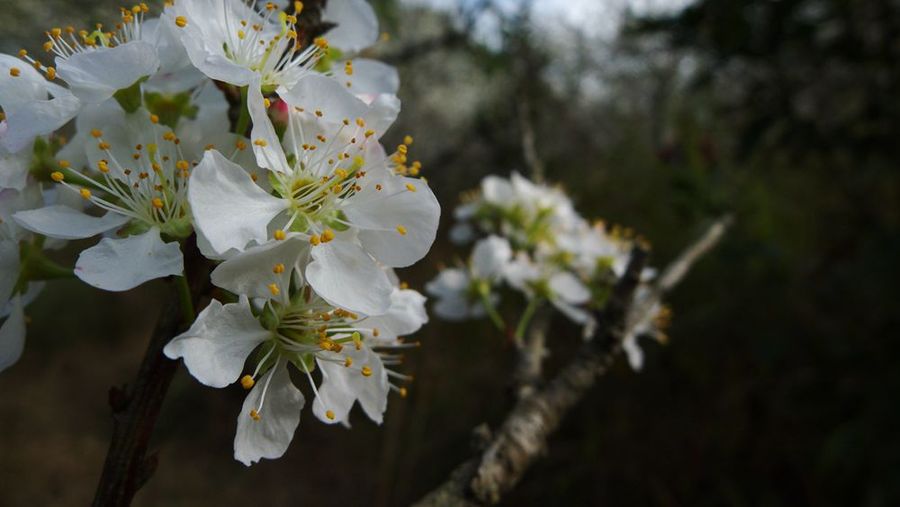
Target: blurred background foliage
point(780, 383)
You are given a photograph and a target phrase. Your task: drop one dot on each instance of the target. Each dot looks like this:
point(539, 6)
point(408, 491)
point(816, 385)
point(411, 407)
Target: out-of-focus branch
point(531, 353)
point(529, 149)
point(522, 437)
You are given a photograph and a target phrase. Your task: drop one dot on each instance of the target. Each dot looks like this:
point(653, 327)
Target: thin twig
point(523, 434)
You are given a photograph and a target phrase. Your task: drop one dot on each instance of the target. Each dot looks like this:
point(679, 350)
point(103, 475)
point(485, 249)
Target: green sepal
point(130, 98)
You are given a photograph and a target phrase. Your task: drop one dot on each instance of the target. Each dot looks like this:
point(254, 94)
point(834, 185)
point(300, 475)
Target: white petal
point(405, 316)
point(270, 436)
point(14, 167)
point(216, 346)
point(29, 119)
point(63, 222)
point(176, 73)
point(569, 288)
point(266, 143)
point(9, 269)
point(123, 264)
point(12, 336)
point(250, 272)
point(490, 256)
point(343, 384)
point(94, 76)
point(633, 351)
point(520, 272)
point(315, 92)
point(448, 282)
point(335, 393)
point(357, 25)
point(228, 206)
point(379, 214)
point(345, 276)
point(371, 77)
point(497, 190)
point(578, 316)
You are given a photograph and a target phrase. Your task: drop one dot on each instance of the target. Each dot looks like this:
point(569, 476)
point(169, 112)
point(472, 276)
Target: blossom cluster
point(528, 239)
point(221, 120)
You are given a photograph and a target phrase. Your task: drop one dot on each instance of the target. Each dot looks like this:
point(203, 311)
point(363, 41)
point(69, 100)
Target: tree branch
point(523, 435)
point(135, 410)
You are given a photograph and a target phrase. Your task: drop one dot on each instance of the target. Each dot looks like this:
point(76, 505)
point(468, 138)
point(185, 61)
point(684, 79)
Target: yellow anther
point(154, 118)
point(273, 288)
point(261, 143)
point(14, 71)
point(22, 53)
point(375, 332)
point(402, 149)
point(337, 188)
point(410, 187)
point(57, 176)
point(267, 103)
point(96, 133)
point(321, 42)
point(298, 7)
point(180, 21)
point(314, 240)
point(279, 234)
point(329, 414)
point(85, 193)
point(357, 340)
point(254, 414)
point(209, 146)
point(348, 68)
point(169, 136)
point(278, 269)
point(157, 203)
point(241, 34)
point(48, 46)
point(401, 230)
point(51, 73)
point(369, 133)
point(366, 371)
point(240, 145)
point(327, 235)
point(321, 138)
point(56, 32)
point(340, 173)
point(182, 165)
point(360, 122)
point(319, 113)
point(408, 140)
point(348, 362)
point(404, 285)
point(403, 392)
point(64, 164)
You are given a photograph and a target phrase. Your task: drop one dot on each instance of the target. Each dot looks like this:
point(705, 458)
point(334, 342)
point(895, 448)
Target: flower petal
point(31, 118)
point(342, 384)
point(405, 316)
point(357, 25)
point(398, 218)
point(216, 346)
point(228, 206)
point(252, 271)
point(12, 336)
point(371, 77)
point(490, 257)
point(266, 143)
point(346, 276)
point(279, 416)
point(9, 269)
point(63, 222)
point(569, 288)
point(95, 76)
point(123, 264)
